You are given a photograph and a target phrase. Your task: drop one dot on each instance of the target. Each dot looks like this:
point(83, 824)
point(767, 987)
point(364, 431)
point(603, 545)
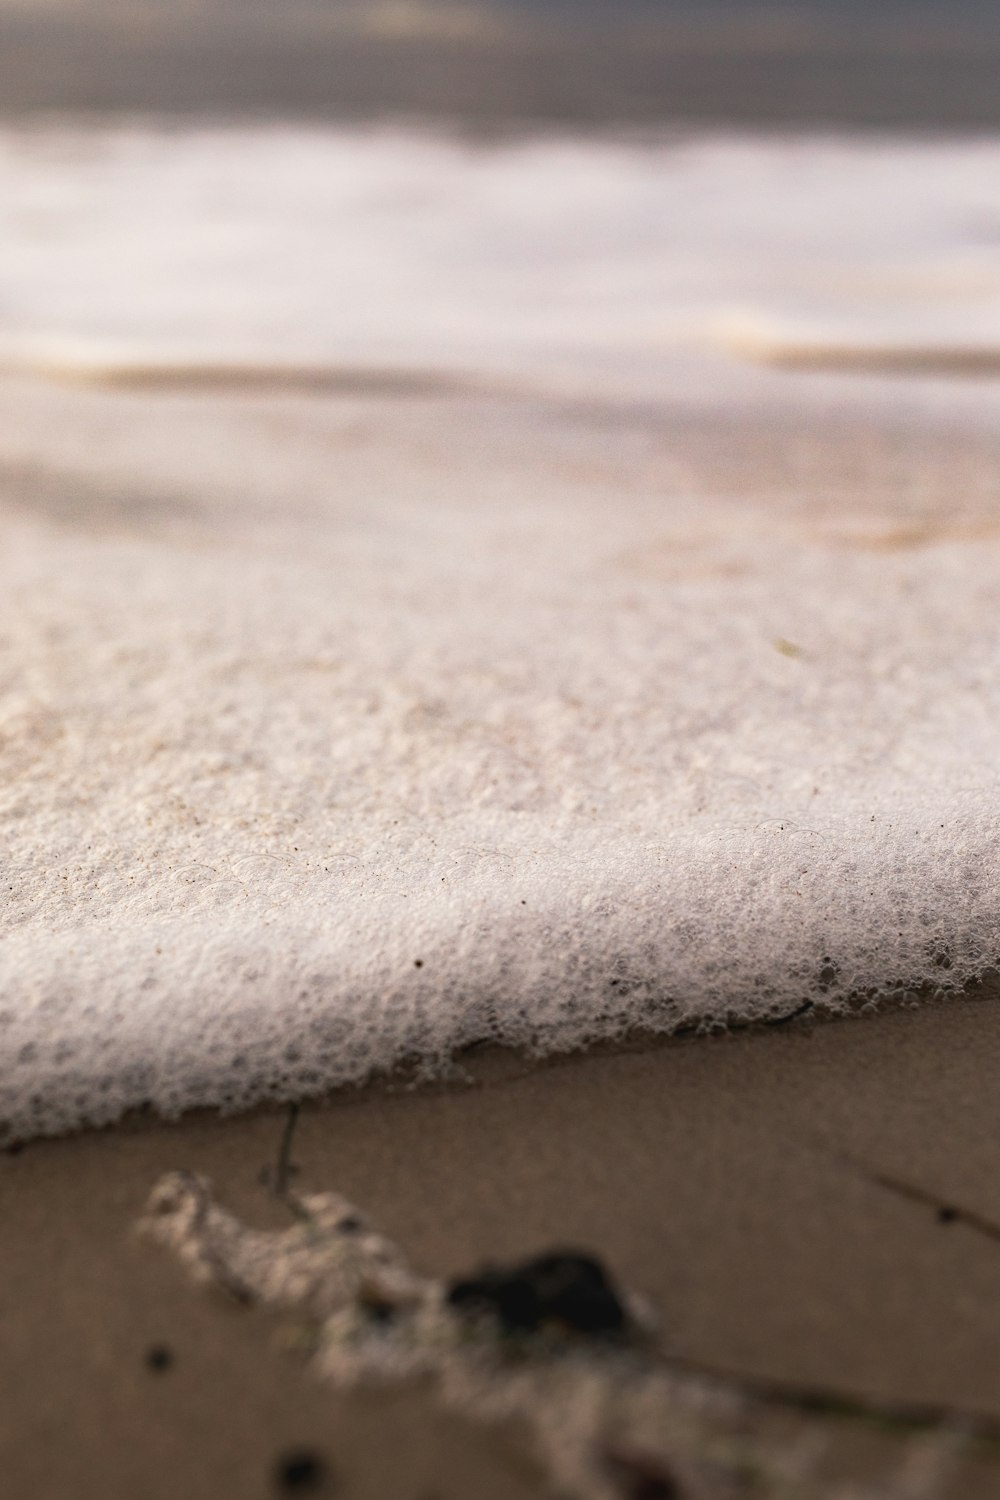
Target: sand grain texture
point(734, 1181)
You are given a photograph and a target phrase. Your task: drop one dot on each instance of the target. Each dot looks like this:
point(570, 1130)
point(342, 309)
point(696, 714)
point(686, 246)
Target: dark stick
point(284, 1167)
point(911, 1416)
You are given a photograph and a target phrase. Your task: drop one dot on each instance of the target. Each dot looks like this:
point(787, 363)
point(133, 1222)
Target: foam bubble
point(334, 734)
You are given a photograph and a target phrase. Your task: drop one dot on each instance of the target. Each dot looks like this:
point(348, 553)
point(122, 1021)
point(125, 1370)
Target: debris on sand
point(549, 1344)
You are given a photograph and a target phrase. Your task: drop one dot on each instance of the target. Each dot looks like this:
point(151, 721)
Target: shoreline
point(480, 1063)
point(809, 1206)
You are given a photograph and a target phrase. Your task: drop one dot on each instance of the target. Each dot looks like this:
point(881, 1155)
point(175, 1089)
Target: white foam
point(333, 733)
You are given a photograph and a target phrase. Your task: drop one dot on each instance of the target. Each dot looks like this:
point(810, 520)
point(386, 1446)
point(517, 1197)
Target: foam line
point(768, 343)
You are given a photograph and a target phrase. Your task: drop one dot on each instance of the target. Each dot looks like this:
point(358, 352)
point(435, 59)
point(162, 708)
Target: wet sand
point(813, 1205)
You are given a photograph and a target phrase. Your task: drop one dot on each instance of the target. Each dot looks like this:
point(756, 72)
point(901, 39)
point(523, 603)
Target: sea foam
point(605, 684)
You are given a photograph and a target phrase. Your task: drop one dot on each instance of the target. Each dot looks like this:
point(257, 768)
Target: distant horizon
point(498, 62)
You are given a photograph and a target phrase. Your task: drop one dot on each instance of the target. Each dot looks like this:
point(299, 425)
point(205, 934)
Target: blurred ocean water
point(490, 63)
point(605, 265)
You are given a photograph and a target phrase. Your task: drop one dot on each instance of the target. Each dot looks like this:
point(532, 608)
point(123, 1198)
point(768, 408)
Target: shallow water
point(534, 665)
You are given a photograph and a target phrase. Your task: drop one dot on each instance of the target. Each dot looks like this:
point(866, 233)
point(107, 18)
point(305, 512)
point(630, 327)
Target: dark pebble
point(562, 1288)
point(638, 1477)
point(378, 1311)
point(300, 1472)
point(159, 1357)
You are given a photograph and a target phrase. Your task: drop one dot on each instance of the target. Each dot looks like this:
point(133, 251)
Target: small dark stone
point(378, 1310)
point(640, 1477)
point(159, 1357)
point(418, 963)
point(947, 1215)
point(300, 1472)
point(563, 1289)
point(350, 1224)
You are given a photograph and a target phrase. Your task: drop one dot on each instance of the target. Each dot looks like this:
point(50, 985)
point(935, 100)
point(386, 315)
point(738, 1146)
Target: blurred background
point(823, 62)
point(615, 196)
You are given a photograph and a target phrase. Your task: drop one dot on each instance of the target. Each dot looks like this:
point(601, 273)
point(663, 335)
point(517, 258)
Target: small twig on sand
point(907, 1416)
point(284, 1168)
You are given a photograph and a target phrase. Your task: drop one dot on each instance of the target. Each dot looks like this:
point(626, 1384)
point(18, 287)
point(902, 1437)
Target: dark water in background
point(495, 62)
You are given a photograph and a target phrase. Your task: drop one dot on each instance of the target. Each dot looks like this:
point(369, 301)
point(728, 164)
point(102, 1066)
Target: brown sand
point(778, 1194)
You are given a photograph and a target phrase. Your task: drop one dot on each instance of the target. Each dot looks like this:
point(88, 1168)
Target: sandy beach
point(814, 1206)
point(461, 605)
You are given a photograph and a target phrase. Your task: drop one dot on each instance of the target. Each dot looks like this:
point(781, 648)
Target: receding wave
point(342, 734)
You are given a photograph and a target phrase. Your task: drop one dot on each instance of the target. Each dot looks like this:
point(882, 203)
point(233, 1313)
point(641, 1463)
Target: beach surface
point(412, 642)
point(815, 1206)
